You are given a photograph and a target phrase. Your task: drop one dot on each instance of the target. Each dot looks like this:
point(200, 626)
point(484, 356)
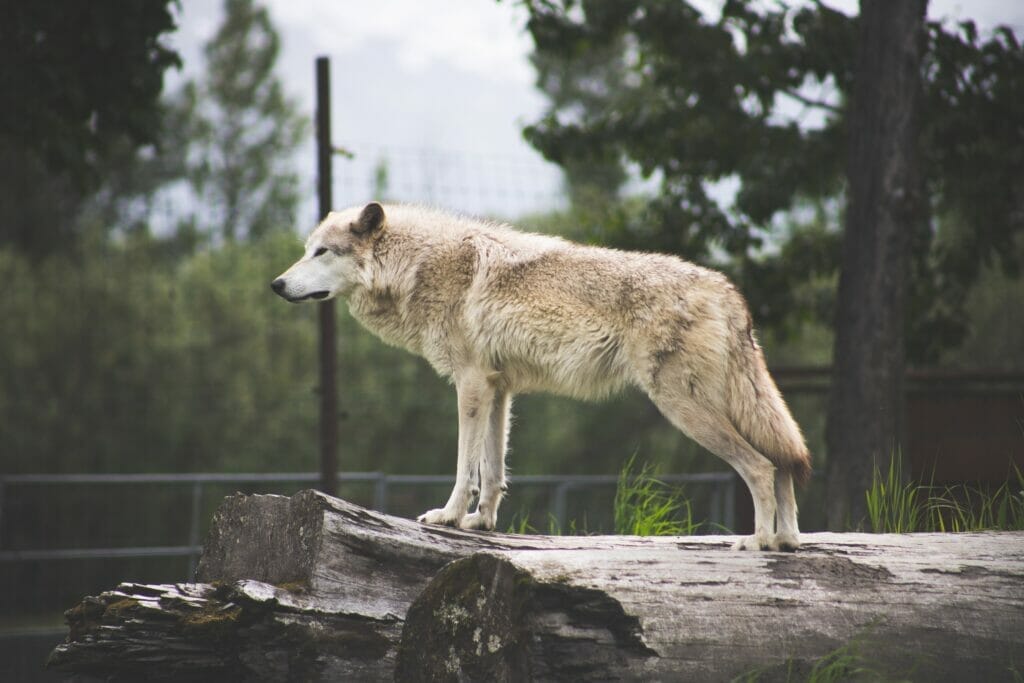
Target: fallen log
point(923, 607)
point(314, 588)
point(245, 631)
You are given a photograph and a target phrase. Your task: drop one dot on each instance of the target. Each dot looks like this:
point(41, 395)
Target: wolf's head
point(335, 257)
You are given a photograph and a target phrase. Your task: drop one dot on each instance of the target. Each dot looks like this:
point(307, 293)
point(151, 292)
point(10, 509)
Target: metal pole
point(328, 342)
point(561, 492)
point(2, 491)
point(730, 504)
point(715, 506)
point(380, 493)
point(193, 527)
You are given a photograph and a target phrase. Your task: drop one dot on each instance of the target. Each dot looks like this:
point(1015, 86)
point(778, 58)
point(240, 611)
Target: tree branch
point(808, 102)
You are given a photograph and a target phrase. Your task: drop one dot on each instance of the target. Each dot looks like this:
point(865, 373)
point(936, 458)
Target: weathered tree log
point(248, 631)
point(314, 588)
point(920, 607)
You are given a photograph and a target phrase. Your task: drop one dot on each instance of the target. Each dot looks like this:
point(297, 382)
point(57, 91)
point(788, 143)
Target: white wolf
point(502, 312)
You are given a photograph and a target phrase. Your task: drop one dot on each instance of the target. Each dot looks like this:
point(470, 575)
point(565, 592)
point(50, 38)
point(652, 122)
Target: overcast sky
point(440, 90)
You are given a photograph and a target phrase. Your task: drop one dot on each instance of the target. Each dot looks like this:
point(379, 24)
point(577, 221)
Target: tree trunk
point(866, 401)
point(313, 588)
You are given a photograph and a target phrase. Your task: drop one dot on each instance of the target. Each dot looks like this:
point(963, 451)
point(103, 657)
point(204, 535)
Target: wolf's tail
point(762, 417)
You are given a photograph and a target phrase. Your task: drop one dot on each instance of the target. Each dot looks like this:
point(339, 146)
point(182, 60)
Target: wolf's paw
point(756, 542)
point(476, 520)
point(440, 516)
point(787, 542)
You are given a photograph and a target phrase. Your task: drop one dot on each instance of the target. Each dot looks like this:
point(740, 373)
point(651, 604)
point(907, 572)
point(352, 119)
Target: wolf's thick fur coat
point(502, 312)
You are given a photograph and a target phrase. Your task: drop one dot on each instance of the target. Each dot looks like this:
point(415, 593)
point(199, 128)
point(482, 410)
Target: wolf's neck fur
point(380, 304)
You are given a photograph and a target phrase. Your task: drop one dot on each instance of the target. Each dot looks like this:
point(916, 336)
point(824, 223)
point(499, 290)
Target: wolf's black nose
point(277, 285)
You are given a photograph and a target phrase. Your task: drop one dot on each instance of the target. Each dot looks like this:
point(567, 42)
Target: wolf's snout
point(278, 286)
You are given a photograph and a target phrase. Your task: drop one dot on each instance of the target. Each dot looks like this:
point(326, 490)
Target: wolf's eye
point(319, 252)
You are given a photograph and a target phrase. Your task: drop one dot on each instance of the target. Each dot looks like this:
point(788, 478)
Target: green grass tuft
point(520, 524)
point(894, 506)
point(963, 507)
point(898, 506)
point(847, 662)
point(841, 664)
point(646, 506)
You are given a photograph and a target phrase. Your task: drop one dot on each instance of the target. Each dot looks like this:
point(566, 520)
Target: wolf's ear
point(370, 220)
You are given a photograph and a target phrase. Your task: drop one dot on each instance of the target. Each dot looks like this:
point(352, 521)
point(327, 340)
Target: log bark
point(314, 588)
point(245, 631)
point(927, 607)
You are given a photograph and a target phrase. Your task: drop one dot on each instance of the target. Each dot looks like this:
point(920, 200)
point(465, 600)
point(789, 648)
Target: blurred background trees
point(81, 85)
point(135, 350)
point(242, 130)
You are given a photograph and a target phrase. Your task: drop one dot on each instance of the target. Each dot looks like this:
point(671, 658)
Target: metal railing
point(721, 505)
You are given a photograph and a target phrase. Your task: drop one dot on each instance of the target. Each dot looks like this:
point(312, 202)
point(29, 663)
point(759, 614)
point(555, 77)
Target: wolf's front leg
point(476, 403)
point(492, 466)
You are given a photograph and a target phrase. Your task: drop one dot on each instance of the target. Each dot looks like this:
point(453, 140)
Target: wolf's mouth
point(322, 294)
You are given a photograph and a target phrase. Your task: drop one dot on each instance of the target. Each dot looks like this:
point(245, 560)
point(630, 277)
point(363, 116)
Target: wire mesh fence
point(503, 185)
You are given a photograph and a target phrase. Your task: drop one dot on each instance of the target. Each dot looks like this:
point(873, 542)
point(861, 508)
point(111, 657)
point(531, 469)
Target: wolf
point(501, 312)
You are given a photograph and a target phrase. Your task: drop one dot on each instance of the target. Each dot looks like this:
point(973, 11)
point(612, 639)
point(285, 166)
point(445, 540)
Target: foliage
point(693, 106)
point(645, 506)
point(520, 524)
point(82, 82)
point(840, 665)
point(693, 101)
point(963, 507)
point(242, 129)
point(896, 505)
point(893, 505)
point(79, 77)
point(128, 360)
point(995, 321)
point(845, 663)
point(593, 177)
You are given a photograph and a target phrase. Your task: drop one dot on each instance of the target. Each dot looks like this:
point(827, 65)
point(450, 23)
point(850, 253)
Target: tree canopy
point(758, 98)
point(79, 76)
point(80, 81)
point(242, 129)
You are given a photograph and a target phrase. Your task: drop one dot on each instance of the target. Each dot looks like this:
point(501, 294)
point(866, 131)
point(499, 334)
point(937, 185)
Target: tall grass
point(841, 664)
point(646, 506)
point(520, 524)
point(971, 508)
point(894, 505)
point(898, 506)
point(845, 663)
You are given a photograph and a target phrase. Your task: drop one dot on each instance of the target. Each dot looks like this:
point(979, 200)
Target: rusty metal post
point(328, 341)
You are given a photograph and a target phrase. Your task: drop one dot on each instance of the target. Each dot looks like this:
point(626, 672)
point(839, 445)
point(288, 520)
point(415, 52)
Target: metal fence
point(719, 512)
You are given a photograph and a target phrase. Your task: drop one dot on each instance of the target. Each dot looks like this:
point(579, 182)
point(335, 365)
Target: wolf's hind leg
point(492, 466)
point(759, 475)
point(476, 404)
point(715, 432)
point(787, 531)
